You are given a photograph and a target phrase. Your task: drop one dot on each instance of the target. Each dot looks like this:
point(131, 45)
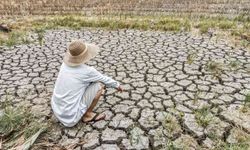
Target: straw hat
point(79, 52)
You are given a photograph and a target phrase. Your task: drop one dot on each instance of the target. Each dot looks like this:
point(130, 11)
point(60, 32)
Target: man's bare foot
point(89, 117)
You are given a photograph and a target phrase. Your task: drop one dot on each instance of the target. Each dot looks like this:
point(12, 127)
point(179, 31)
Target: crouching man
point(78, 86)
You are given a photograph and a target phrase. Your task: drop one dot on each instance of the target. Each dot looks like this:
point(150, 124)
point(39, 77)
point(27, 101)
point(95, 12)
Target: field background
point(99, 7)
point(183, 64)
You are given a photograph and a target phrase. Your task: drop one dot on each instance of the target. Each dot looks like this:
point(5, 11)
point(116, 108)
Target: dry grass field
point(38, 7)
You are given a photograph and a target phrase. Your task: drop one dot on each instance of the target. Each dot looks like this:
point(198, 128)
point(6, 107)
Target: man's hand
point(119, 89)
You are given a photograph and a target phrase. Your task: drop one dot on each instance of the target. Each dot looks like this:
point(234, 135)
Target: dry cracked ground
point(180, 90)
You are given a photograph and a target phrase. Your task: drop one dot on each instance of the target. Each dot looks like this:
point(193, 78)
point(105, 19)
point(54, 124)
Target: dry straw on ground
point(105, 7)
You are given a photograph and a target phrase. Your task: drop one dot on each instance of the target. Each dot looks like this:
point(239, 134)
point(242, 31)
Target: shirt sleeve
point(96, 76)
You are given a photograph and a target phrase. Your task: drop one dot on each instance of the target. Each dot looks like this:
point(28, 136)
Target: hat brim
point(92, 51)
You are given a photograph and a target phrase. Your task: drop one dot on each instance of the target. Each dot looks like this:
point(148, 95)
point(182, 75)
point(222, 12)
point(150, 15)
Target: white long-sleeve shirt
point(67, 99)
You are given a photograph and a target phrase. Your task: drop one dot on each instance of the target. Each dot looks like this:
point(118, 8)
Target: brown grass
point(104, 7)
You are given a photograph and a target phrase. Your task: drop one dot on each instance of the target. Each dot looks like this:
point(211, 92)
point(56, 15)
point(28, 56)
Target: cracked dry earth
point(166, 81)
